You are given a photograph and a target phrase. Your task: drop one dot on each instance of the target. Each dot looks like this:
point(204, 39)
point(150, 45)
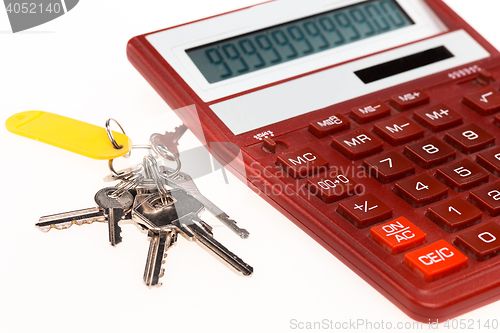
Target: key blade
point(115, 215)
point(66, 220)
point(158, 246)
point(115, 209)
point(204, 238)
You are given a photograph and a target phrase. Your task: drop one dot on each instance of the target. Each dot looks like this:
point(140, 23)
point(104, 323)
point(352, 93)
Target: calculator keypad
point(432, 166)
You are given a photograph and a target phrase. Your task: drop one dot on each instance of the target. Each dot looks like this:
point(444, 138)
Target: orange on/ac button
point(302, 163)
point(398, 235)
point(436, 260)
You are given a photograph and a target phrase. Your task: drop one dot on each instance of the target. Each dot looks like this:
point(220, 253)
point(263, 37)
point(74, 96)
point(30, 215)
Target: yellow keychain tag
point(70, 134)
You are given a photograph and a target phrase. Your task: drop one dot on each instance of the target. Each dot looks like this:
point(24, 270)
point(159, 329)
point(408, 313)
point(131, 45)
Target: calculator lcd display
point(278, 44)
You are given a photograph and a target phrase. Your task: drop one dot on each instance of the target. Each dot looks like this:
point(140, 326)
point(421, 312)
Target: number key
point(421, 190)
point(490, 160)
point(487, 198)
point(462, 175)
point(469, 138)
point(481, 243)
point(388, 167)
point(429, 152)
point(454, 214)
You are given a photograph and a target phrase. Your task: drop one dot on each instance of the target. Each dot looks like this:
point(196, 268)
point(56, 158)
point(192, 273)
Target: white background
point(73, 280)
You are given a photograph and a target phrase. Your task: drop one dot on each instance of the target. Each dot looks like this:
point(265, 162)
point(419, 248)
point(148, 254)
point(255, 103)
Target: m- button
point(398, 130)
point(302, 163)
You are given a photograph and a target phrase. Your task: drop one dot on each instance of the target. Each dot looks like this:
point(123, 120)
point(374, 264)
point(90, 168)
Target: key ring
point(165, 153)
point(110, 134)
point(162, 151)
point(110, 162)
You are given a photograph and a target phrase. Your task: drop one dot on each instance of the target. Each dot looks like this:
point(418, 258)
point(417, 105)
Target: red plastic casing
point(458, 293)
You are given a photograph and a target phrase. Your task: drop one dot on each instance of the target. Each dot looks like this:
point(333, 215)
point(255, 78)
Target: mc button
point(302, 163)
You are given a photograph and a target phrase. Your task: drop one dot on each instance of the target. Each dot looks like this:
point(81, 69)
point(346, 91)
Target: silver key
point(159, 244)
point(115, 208)
point(184, 181)
point(181, 214)
point(66, 220)
point(170, 139)
point(108, 209)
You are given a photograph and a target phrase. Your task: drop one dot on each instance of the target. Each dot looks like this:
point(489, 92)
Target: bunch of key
point(162, 202)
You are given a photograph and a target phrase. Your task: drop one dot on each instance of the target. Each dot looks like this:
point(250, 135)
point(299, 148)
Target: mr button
point(302, 163)
point(357, 144)
point(436, 260)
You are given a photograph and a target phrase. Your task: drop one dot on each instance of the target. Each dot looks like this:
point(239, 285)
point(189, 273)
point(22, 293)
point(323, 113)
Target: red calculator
point(373, 125)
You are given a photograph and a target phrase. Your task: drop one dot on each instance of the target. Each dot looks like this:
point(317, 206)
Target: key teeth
point(118, 239)
point(118, 235)
point(233, 225)
point(66, 225)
